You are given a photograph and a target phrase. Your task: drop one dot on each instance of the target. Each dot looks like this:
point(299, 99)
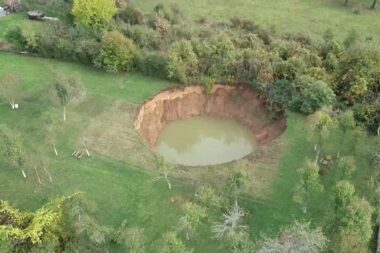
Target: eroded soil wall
point(237, 102)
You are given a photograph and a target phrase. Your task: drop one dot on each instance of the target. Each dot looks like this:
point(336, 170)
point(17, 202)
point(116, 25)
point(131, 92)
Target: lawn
point(311, 17)
point(122, 190)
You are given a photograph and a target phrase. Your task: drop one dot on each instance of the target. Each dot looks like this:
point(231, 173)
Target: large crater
point(236, 102)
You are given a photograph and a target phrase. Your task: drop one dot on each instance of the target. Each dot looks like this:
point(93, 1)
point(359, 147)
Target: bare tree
point(231, 222)
point(298, 238)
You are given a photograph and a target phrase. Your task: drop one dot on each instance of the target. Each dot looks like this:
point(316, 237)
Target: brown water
point(205, 141)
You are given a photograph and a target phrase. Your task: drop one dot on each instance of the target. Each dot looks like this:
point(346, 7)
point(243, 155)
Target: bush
point(142, 36)
point(23, 38)
point(368, 114)
point(117, 54)
point(312, 96)
point(153, 64)
point(94, 13)
point(132, 16)
point(183, 63)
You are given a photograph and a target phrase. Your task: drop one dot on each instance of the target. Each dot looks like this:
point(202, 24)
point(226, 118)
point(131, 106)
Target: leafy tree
point(297, 238)
point(237, 183)
point(170, 243)
point(194, 214)
point(373, 5)
point(346, 166)
point(12, 146)
point(118, 53)
point(355, 229)
point(344, 195)
point(10, 89)
point(308, 184)
point(165, 168)
point(182, 62)
point(321, 124)
point(208, 197)
point(66, 90)
point(131, 238)
point(238, 242)
point(93, 13)
point(353, 218)
point(52, 125)
point(313, 95)
point(347, 122)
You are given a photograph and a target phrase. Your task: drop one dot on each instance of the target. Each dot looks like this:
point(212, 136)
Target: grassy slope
point(122, 191)
point(307, 16)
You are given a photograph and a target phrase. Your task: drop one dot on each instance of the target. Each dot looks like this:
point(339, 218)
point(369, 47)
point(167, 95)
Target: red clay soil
point(236, 102)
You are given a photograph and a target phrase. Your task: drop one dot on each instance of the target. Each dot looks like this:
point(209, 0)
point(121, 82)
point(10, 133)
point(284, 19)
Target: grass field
point(122, 190)
point(306, 16)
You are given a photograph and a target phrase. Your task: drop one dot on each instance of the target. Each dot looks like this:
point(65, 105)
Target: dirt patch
point(236, 102)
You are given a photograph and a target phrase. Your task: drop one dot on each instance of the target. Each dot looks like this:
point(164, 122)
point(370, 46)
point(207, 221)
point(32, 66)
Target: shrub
point(132, 16)
point(183, 63)
point(368, 114)
point(117, 54)
point(93, 13)
point(311, 96)
point(23, 38)
point(142, 36)
point(153, 64)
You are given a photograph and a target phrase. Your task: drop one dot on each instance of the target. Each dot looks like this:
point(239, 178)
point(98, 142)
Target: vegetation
point(327, 83)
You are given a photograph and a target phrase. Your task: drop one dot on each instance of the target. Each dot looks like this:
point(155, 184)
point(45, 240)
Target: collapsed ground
point(120, 181)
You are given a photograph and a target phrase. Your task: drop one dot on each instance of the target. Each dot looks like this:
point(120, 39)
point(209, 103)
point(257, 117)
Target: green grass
point(307, 16)
point(122, 190)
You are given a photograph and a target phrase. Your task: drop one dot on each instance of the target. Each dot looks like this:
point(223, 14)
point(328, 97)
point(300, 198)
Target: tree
point(170, 243)
point(308, 184)
point(52, 125)
point(347, 122)
point(182, 62)
point(313, 96)
point(355, 229)
point(231, 222)
point(297, 238)
point(117, 54)
point(93, 13)
point(66, 90)
point(14, 5)
point(208, 197)
point(353, 218)
point(373, 5)
point(10, 89)
point(344, 195)
point(237, 183)
point(321, 124)
point(131, 238)
point(165, 168)
point(12, 146)
point(192, 218)
point(346, 166)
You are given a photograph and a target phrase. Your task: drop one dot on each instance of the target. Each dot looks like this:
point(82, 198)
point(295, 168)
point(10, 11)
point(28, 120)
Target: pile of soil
point(236, 102)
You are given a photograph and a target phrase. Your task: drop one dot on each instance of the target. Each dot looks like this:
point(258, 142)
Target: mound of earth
point(236, 102)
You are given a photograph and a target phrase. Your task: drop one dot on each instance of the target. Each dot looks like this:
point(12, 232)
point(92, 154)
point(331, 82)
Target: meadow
point(312, 17)
point(123, 191)
point(120, 178)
